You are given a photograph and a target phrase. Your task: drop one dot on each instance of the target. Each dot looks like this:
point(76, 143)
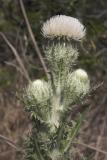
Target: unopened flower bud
point(78, 84)
point(38, 90)
point(81, 75)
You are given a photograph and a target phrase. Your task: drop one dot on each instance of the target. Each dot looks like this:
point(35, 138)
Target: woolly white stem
point(57, 108)
point(54, 119)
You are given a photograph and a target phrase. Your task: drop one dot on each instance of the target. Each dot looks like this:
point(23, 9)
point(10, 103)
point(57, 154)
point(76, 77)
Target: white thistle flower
point(39, 90)
point(62, 25)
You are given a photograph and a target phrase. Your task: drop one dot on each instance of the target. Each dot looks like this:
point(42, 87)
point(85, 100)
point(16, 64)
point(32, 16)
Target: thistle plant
point(51, 102)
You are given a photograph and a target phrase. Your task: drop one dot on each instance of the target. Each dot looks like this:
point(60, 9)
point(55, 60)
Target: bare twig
point(17, 56)
point(15, 66)
point(100, 137)
point(33, 38)
point(90, 147)
point(94, 88)
point(24, 48)
point(99, 140)
point(11, 143)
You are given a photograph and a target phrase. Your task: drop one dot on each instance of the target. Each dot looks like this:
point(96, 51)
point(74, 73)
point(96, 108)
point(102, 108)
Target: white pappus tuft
point(63, 26)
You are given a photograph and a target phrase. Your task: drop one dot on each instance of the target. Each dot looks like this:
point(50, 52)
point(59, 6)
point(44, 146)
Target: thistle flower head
point(63, 26)
point(78, 85)
point(80, 82)
point(38, 90)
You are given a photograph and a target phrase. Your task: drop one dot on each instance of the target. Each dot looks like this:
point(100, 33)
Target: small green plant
point(50, 102)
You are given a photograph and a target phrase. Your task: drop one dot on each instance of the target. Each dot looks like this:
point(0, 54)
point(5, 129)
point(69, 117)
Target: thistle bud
point(38, 90)
point(78, 84)
point(81, 75)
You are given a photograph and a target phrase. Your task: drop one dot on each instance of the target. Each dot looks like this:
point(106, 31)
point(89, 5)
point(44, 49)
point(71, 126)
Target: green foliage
point(42, 145)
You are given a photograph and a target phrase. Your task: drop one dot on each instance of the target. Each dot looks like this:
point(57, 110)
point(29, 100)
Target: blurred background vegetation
point(14, 122)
